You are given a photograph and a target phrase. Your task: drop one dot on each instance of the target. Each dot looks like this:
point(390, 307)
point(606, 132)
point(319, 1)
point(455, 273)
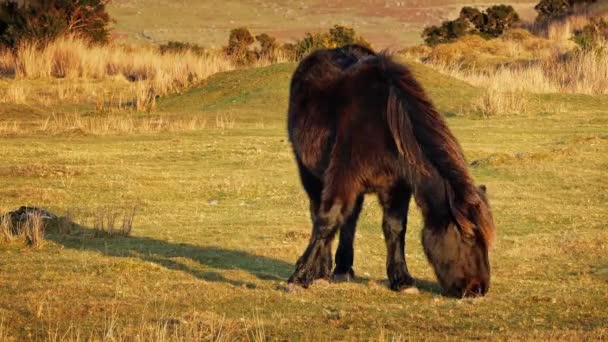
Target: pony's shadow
point(172, 255)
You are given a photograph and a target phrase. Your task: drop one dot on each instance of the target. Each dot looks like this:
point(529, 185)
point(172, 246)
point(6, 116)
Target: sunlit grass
point(222, 218)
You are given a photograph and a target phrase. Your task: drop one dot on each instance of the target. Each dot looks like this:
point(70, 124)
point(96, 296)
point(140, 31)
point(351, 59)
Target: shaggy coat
point(360, 123)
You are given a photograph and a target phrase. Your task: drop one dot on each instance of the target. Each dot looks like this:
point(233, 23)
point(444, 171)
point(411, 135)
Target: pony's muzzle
point(467, 289)
point(475, 288)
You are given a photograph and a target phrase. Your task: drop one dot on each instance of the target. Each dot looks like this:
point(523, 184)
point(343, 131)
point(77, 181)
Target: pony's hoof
point(294, 287)
point(403, 284)
point(343, 277)
point(321, 281)
point(413, 290)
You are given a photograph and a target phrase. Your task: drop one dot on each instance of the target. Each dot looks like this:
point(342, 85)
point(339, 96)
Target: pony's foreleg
point(345, 252)
point(395, 202)
point(316, 262)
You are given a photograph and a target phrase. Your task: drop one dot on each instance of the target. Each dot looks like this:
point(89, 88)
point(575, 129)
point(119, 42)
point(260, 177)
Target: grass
point(541, 69)
point(70, 70)
point(222, 218)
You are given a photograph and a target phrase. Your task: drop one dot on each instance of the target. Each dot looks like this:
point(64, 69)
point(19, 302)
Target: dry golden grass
point(473, 51)
point(578, 72)
point(113, 222)
point(561, 31)
point(493, 102)
point(109, 124)
point(71, 58)
point(31, 230)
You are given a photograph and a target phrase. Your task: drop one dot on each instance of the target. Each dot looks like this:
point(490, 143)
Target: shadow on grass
point(169, 255)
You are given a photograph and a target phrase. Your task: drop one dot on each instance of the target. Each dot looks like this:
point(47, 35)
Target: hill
point(385, 23)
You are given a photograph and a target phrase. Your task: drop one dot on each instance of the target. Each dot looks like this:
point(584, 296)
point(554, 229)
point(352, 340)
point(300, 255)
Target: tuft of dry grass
point(472, 51)
point(103, 125)
point(579, 72)
point(493, 102)
point(15, 93)
point(113, 222)
point(69, 57)
point(31, 230)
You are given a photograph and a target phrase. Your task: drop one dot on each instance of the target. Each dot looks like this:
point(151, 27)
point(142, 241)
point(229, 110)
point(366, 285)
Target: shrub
point(336, 37)
point(238, 48)
point(44, 20)
point(591, 36)
point(492, 23)
point(549, 10)
point(180, 47)
point(242, 51)
point(268, 44)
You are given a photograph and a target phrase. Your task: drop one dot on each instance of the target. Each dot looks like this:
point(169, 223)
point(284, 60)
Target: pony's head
point(458, 250)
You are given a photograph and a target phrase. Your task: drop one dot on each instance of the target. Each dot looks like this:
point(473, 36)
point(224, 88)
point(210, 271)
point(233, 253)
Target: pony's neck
point(431, 197)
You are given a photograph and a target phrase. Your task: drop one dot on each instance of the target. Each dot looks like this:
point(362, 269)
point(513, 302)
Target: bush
point(268, 45)
point(549, 10)
point(238, 48)
point(180, 47)
point(336, 37)
point(491, 23)
point(242, 51)
point(45, 20)
point(592, 35)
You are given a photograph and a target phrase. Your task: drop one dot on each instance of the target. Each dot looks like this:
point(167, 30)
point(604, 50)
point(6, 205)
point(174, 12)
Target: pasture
point(221, 219)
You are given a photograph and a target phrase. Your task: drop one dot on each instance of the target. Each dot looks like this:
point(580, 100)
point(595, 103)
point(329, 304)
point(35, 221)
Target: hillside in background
point(385, 23)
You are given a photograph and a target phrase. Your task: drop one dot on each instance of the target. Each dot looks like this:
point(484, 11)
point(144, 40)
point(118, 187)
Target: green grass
point(222, 219)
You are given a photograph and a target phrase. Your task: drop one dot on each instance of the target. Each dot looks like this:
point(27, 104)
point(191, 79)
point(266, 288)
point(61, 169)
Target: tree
point(44, 20)
point(549, 10)
point(268, 44)
point(238, 48)
point(498, 19)
point(493, 22)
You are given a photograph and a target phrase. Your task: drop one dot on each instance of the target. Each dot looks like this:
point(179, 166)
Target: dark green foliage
point(556, 9)
point(493, 22)
point(178, 47)
point(590, 36)
point(44, 20)
point(498, 19)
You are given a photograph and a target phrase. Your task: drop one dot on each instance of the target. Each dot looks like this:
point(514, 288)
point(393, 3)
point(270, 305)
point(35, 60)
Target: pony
point(358, 123)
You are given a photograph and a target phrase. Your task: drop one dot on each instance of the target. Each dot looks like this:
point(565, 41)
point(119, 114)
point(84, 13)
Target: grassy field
point(392, 24)
point(221, 220)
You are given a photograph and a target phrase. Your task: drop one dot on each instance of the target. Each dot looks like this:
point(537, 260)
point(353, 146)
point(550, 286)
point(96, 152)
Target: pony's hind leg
point(395, 202)
point(316, 262)
point(345, 252)
point(313, 187)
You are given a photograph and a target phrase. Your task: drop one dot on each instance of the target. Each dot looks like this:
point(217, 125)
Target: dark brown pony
point(359, 122)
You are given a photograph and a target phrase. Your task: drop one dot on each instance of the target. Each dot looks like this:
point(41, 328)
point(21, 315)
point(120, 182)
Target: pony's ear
point(459, 213)
point(483, 189)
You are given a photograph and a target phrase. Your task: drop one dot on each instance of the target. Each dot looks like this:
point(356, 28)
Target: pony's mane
point(410, 113)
